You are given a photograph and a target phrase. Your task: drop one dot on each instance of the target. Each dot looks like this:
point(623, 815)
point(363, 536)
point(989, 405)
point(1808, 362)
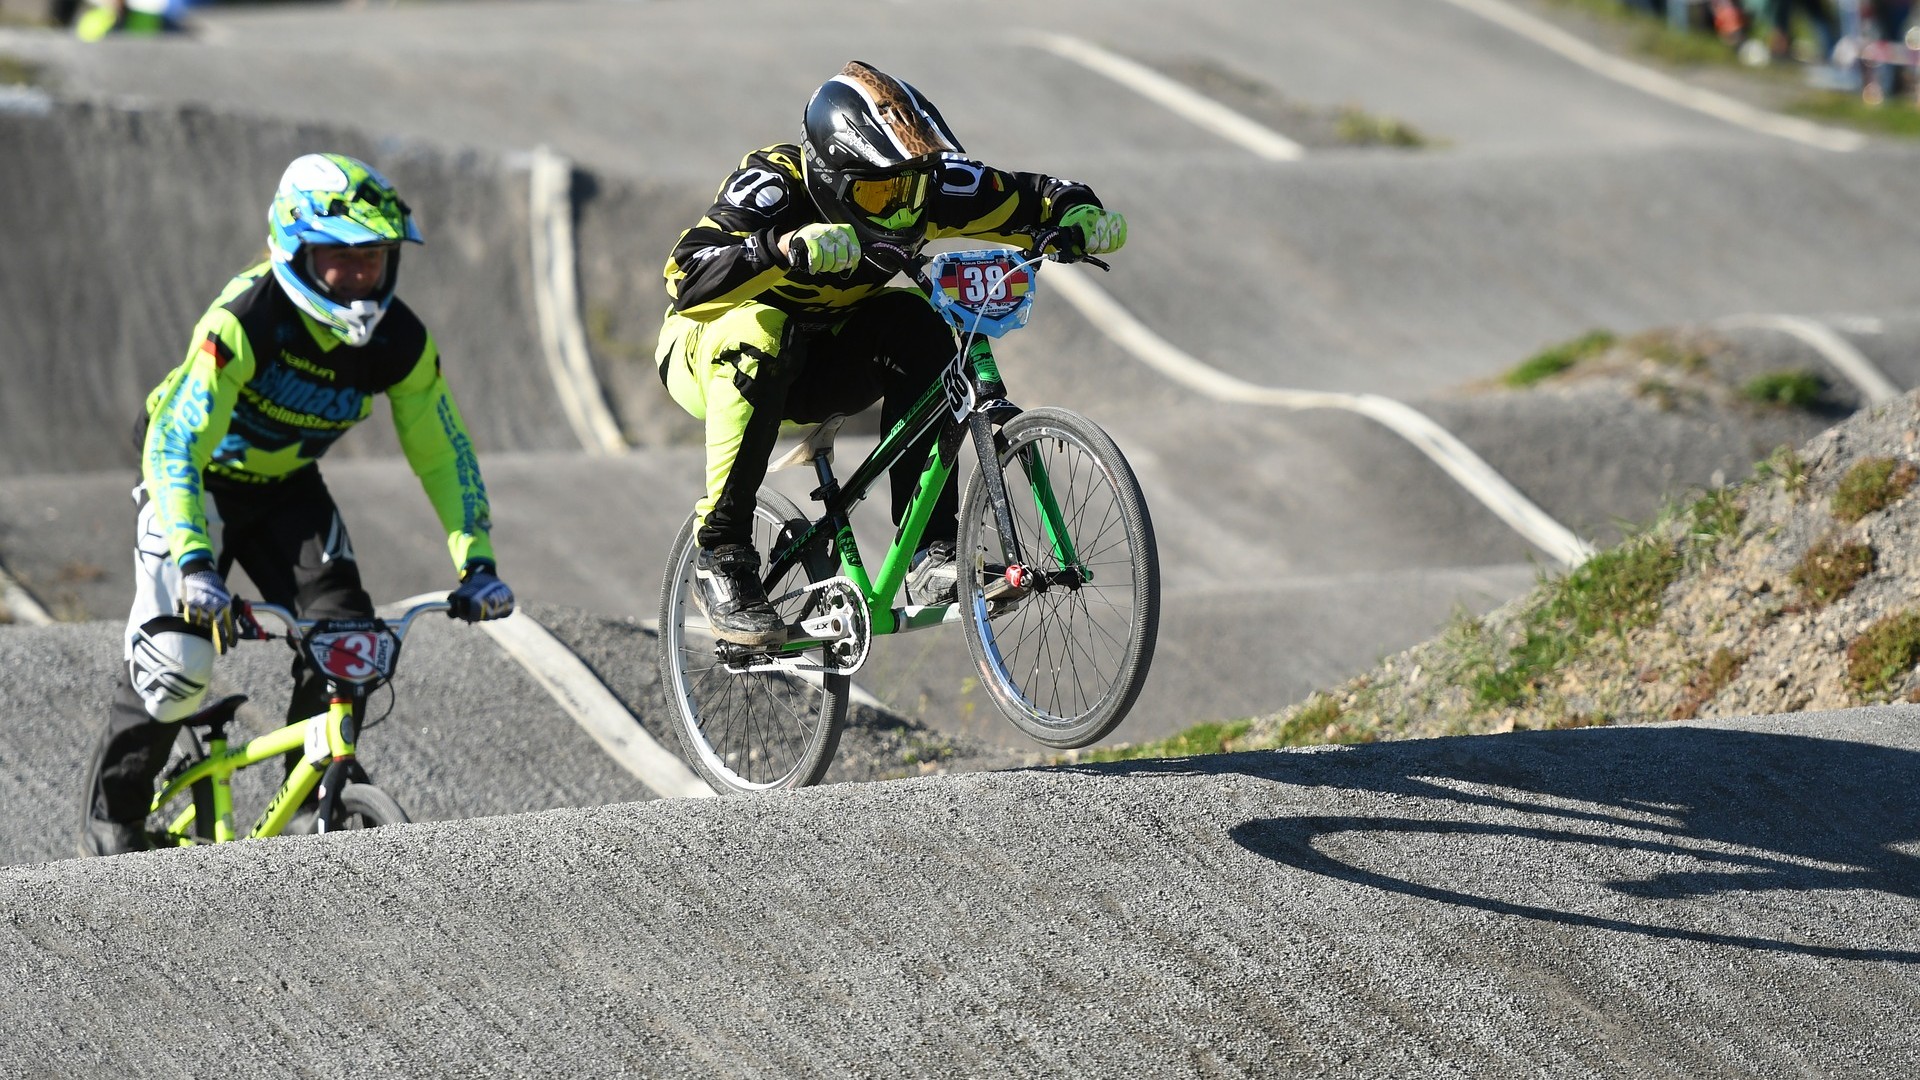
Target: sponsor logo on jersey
point(295, 361)
point(296, 399)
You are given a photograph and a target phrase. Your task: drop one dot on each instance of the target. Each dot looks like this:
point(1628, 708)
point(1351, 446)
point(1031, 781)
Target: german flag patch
point(217, 349)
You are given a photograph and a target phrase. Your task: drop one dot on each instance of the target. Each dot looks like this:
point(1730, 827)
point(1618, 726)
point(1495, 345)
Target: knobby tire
point(747, 732)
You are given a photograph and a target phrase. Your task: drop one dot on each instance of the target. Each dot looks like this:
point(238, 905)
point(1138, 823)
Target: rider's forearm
point(713, 270)
point(434, 438)
point(1003, 207)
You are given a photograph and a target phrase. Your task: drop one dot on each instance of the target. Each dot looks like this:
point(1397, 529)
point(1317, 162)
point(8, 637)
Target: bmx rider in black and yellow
point(782, 309)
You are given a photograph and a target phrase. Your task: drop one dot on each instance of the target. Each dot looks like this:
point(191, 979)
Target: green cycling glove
point(822, 248)
point(1101, 231)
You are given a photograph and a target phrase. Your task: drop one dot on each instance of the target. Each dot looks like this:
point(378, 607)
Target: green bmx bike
point(356, 657)
point(1058, 589)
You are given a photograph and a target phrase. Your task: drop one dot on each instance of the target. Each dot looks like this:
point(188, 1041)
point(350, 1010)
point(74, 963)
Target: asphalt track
point(1043, 922)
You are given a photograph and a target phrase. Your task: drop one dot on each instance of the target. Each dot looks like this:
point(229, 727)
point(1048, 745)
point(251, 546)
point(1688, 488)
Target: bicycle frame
point(327, 740)
point(967, 399)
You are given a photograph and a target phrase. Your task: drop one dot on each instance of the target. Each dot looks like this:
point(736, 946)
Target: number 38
point(983, 283)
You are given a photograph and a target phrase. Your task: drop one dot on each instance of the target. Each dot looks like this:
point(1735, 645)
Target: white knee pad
point(170, 671)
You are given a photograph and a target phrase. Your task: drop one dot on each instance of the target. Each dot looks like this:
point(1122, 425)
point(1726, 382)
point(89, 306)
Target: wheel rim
point(1062, 652)
point(755, 731)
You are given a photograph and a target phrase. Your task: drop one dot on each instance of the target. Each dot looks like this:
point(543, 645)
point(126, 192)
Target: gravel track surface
point(1729, 900)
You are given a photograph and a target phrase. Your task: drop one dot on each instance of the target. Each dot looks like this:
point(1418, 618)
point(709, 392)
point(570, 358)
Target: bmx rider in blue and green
point(782, 309)
point(288, 358)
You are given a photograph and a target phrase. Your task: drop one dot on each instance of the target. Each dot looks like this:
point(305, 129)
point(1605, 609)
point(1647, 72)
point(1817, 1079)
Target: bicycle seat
point(220, 712)
point(816, 442)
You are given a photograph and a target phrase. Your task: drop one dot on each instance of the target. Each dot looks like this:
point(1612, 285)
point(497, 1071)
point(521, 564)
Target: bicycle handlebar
point(248, 627)
point(916, 267)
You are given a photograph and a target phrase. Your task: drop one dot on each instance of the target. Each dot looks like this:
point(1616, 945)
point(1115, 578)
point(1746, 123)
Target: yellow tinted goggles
point(886, 197)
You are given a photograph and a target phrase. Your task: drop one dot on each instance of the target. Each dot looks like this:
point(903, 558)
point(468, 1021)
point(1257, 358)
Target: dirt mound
point(1796, 589)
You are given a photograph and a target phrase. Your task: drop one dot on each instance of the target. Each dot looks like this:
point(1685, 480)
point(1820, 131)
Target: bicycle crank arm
point(829, 627)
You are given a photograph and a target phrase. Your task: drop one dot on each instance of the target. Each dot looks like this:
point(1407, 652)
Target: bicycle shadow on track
point(1626, 826)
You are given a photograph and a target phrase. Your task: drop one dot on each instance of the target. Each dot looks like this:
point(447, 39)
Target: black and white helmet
point(872, 145)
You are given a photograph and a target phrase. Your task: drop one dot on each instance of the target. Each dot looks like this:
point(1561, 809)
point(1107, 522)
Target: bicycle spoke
point(1067, 658)
point(746, 730)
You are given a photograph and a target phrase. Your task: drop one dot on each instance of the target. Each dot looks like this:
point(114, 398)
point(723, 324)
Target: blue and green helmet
point(335, 200)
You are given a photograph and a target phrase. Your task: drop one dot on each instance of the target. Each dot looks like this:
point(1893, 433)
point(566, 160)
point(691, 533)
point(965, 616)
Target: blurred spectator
point(1890, 24)
point(103, 17)
point(1777, 16)
point(1872, 52)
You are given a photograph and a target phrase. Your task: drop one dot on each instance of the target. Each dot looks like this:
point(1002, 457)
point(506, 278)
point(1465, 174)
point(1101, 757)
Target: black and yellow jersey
point(729, 257)
point(265, 391)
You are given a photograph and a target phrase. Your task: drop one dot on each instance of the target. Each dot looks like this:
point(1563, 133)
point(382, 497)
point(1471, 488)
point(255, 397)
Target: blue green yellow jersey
point(265, 391)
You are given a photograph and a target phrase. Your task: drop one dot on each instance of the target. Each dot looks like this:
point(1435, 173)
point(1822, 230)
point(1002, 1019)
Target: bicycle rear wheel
point(363, 806)
point(748, 731)
point(1064, 656)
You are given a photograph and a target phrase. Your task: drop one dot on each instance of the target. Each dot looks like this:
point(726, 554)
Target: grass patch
point(1555, 359)
point(1361, 128)
point(1321, 719)
point(1784, 466)
point(1664, 395)
point(1713, 677)
point(1196, 740)
point(1830, 569)
point(1895, 118)
point(1663, 348)
point(1715, 516)
point(1873, 484)
point(1525, 670)
point(1616, 590)
point(927, 751)
point(1786, 389)
point(17, 72)
point(1613, 592)
point(1880, 658)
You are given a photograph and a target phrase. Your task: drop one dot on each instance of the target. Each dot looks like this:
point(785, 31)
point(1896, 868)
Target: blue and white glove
point(205, 603)
point(481, 595)
point(1101, 231)
point(822, 248)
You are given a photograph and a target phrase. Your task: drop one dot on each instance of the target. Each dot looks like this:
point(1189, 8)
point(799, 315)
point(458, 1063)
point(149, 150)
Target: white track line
point(1837, 350)
point(1666, 87)
point(1455, 457)
point(556, 303)
point(1155, 87)
point(20, 603)
point(593, 706)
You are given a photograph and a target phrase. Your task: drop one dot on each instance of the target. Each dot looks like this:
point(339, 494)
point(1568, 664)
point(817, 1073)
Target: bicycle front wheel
point(745, 730)
point(363, 806)
point(1063, 651)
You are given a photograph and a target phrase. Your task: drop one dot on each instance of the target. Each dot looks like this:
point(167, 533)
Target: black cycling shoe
point(114, 837)
point(727, 587)
point(932, 575)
